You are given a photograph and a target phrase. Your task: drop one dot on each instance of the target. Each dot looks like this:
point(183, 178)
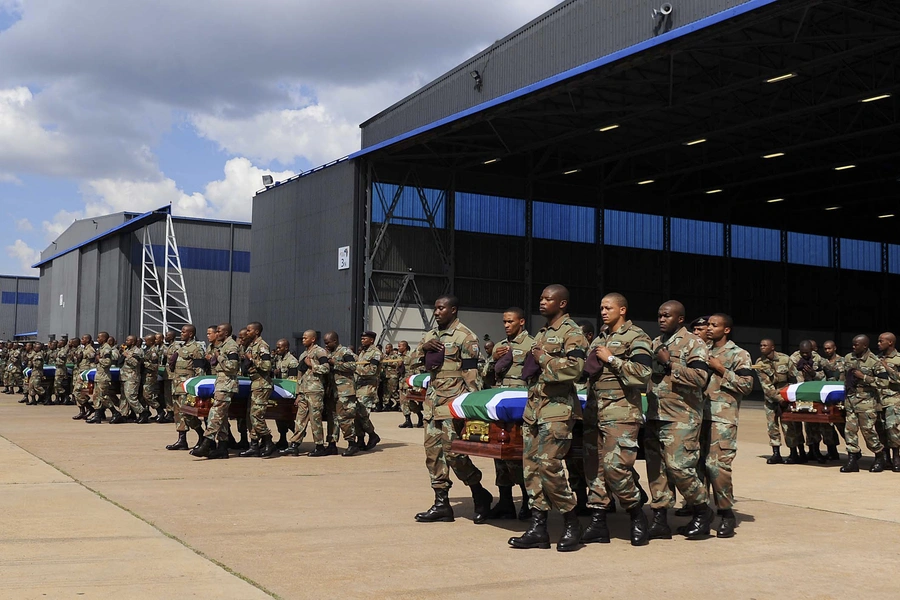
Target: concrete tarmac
point(104, 511)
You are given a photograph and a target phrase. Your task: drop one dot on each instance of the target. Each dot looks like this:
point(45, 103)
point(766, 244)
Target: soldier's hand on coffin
point(716, 365)
point(603, 353)
point(433, 346)
point(500, 351)
point(662, 355)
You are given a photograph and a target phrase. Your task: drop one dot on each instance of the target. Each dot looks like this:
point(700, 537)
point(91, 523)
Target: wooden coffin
point(812, 412)
point(502, 440)
point(284, 409)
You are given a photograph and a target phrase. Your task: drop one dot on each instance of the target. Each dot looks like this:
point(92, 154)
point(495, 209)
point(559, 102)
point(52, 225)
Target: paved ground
point(100, 511)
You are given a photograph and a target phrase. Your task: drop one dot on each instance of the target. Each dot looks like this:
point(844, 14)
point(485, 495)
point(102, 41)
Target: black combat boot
point(505, 507)
point(581, 507)
point(266, 446)
point(319, 451)
point(793, 459)
point(221, 451)
point(640, 535)
point(597, 532)
point(439, 511)
point(378, 407)
point(374, 438)
point(482, 500)
point(406, 424)
point(97, 417)
point(181, 444)
point(204, 449)
point(536, 536)
point(775, 459)
point(253, 450)
point(684, 511)
point(24, 400)
point(880, 461)
point(200, 438)
point(419, 424)
point(70, 401)
point(82, 413)
point(699, 526)
point(524, 510)
point(331, 449)
point(571, 536)
point(244, 443)
point(801, 455)
point(895, 460)
point(144, 418)
point(293, 449)
point(659, 529)
point(160, 415)
point(852, 465)
point(352, 449)
point(727, 524)
point(833, 453)
point(816, 455)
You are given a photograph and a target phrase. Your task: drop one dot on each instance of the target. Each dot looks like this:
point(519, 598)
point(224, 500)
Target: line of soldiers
point(694, 389)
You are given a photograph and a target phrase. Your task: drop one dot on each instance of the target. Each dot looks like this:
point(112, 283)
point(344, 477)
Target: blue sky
point(129, 106)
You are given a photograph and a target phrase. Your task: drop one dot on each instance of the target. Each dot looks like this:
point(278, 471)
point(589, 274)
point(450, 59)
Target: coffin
point(813, 402)
point(200, 391)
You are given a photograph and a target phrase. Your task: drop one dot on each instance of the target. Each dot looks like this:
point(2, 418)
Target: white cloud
point(24, 225)
point(60, 222)
point(25, 254)
point(231, 197)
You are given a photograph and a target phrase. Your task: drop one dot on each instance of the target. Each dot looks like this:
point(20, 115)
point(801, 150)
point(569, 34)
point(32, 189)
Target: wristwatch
point(610, 359)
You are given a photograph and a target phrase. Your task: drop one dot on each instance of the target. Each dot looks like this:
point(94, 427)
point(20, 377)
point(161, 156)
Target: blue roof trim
point(575, 71)
point(150, 217)
point(220, 221)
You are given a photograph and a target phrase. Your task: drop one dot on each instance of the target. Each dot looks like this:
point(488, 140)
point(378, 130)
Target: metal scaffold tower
point(164, 306)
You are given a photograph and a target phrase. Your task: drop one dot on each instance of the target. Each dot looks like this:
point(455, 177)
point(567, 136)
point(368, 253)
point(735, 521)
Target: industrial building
point(118, 273)
point(18, 307)
point(733, 154)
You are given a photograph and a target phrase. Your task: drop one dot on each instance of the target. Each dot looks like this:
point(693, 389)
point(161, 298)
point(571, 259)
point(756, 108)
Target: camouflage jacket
point(131, 369)
point(36, 362)
point(314, 376)
point(228, 365)
point(676, 392)
point(190, 362)
point(259, 369)
point(820, 367)
point(107, 356)
point(15, 360)
point(287, 367)
point(876, 378)
point(151, 363)
point(368, 364)
point(890, 395)
point(342, 372)
point(835, 370)
point(725, 392)
point(774, 374)
point(60, 358)
point(409, 369)
point(456, 375)
point(551, 393)
point(520, 347)
point(391, 365)
point(164, 352)
point(617, 388)
point(84, 358)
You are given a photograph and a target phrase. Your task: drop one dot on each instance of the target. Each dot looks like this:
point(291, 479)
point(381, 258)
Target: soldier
point(36, 388)
point(554, 366)
point(224, 358)
point(185, 360)
point(83, 360)
point(343, 368)
point(833, 372)
point(776, 371)
point(618, 366)
point(14, 367)
point(890, 398)
point(367, 366)
point(391, 363)
point(449, 352)
point(68, 358)
point(866, 378)
point(674, 417)
point(285, 367)
point(407, 406)
point(506, 363)
point(106, 357)
point(315, 370)
point(730, 380)
point(167, 346)
point(699, 327)
point(132, 359)
point(810, 366)
point(4, 362)
point(257, 365)
point(150, 380)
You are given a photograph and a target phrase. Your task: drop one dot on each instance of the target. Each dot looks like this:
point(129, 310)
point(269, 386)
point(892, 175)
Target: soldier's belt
point(447, 374)
point(512, 382)
point(607, 385)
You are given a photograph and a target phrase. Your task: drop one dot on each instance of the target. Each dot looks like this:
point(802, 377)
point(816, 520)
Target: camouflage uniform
point(226, 364)
point(613, 416)
point(189, 362)
point(311, 399)
point(456, 375)
point(774, 375)
point(150, 381)
point(407, 406)
point(4, 364)
point(345, 391)
point(510, 472)
point(130, 380)
point(107, 357)
point(863, 401)
point(36, 380)
point(890, 398)
point(720, 418)
point(61, 378)
point(259, 368)
point(285, 367)
point(84, 361)
point(367, 366)
point(14, 369)
point(391, 365)
point(166, 386)
point(550, 414)
point(816, 432)
point(674, 417)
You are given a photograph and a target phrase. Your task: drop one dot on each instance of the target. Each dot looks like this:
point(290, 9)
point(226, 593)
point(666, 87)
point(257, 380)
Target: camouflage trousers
point(103, 396)
point(817, 433)
point(183, 422)
point(610, 450)
point(508, 473)
point(150, 391)
point(718, 447)
point(130, 399)
point(363, 422)
point(256, 412)
point(61, 383)
point(15, 378)
point(217, 426)
point(168, 395)
point(80, 391)
point(793, 432)
point(407, 406)
point(310, 407)
point(439, 459)
point(672, 449)
point(861, 416)
point(345, 411)
point(36, 384)
point(545, 447)
point(391, 391)
point(332, 429)
point(892, 425)
point(368, 400)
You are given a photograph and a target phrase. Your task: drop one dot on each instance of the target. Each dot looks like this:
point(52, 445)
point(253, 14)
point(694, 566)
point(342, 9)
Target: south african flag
point(90, 373)
point(205, 387)
point(419, 380)
point(502, 404)
point(827, 392)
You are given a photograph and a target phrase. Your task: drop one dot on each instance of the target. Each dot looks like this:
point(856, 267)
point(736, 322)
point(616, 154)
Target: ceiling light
point(608, 128)
point(713, 191)
point(645, 182)
point(885, 216)
point(490, 162)
point(572, 172)
point(695, 142)
point(832, 208)
point(845, 167)
point(781, 78)
point(774, 200)
point(874, 98)
point(773, 155)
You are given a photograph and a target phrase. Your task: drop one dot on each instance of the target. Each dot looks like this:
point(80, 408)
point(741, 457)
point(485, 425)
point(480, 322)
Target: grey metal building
point(91, 275)
point(733, 154)
point(18, 306)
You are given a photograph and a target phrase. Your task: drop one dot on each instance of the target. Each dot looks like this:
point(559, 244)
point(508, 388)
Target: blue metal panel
point(240, 261)
point(490, 214)
point(697, 237)
point(8, 298)
point(563, 222)
point(809, 249)
point(23, 298)
point(755, 243)
point(633, 230)
point(409, 209)
point(860, 255)
point(202, 259)
point(894, 259)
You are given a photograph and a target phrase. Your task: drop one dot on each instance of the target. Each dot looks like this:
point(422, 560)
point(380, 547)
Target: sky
point(108, 106)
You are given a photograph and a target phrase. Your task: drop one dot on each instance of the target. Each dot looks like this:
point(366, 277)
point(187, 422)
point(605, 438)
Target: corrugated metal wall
point(297, 229)
point(19, 298)
point(81, 231)
point(565, 37)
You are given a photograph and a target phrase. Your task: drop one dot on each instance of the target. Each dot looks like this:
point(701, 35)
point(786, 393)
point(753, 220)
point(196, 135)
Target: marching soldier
point(866, 378)
point(36, 389)
point(833, 372)
point(810, 366)
point(315, 369)
point(84, 360)
point(391, 362)
point(167, 346)
point(130, 380)
point(286, 366)
point(776, 371)
point(368, 365)
point(185, 360)
point(257, 365)
point(343, 368)
point(106, 357)
point(890, 398)
point(407, 406)
point(225, 361)
point(150, 379)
